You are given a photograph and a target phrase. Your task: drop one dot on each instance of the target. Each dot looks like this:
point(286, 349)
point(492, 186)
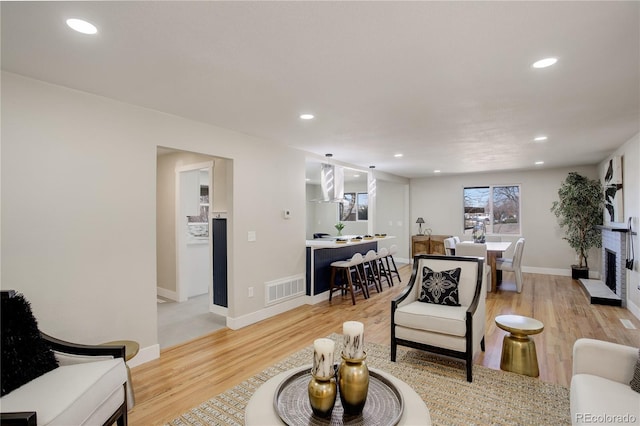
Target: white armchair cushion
point(600, 390)
point(432, 317)
point(596, 396)
point(80, 394)
point(605, 359)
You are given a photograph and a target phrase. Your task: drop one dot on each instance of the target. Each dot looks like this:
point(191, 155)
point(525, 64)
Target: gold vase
point(353, 382)
point(322, 395)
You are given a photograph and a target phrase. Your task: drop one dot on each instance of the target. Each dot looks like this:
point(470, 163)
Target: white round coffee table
point(518, 349)
point(260, 410)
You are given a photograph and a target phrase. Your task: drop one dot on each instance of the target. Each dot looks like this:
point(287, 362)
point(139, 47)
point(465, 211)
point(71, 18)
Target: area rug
point(493, 398)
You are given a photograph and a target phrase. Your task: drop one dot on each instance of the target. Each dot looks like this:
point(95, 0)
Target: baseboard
point(167, 294)
point(556, 271)
point(633, 308)
point(144, 355)
point(219, 310)
point(268, 312)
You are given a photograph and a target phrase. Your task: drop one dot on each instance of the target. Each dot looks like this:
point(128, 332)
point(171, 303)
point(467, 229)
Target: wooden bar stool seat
point(350, 273)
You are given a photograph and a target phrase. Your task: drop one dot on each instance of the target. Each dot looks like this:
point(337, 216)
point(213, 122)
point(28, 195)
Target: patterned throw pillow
point(635, 381)
point(440, 287)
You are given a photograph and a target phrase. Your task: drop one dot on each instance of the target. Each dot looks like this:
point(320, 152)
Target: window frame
point(356, 212)
point(490, 229)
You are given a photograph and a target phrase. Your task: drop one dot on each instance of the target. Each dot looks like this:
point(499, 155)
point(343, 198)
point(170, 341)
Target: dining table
point(495, 249)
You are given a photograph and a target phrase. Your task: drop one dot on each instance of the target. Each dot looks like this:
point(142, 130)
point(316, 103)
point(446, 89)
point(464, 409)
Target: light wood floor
point(188, 374)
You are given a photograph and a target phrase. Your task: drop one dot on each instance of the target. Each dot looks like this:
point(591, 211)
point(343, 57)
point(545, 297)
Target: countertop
point(330, 243)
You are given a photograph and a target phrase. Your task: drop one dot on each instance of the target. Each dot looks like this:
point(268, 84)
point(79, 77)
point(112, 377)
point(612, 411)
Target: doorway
point(185, 204)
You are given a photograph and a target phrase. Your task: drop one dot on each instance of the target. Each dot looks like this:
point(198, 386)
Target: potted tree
point(579, 210)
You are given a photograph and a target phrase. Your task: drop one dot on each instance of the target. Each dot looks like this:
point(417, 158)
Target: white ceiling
point(447, 84)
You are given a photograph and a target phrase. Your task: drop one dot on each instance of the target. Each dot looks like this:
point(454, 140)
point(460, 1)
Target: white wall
point(630, 153)
point(78, 203)
point(439, 201)
point(392, 216)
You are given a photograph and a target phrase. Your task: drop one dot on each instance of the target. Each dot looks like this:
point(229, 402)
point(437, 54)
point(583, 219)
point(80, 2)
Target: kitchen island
point(322, 252)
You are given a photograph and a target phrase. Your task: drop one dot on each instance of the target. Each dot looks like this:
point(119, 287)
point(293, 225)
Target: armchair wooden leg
point(394, 348)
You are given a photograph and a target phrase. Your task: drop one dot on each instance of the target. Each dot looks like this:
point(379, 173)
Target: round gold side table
point(131, 349)
point(518, 349)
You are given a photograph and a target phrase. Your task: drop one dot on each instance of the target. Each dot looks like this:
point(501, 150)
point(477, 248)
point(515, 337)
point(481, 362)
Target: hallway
point(181, 322)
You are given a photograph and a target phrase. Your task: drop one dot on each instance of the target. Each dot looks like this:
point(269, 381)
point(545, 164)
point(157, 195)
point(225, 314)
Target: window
point(363, 206)
point(354, 207)
point(497, 206)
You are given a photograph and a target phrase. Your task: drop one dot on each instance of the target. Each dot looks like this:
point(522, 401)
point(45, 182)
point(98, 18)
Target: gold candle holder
point(353, 382)
point(322, 395)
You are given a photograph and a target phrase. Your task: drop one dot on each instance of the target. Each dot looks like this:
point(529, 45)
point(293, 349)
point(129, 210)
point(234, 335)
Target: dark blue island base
point(319, 261)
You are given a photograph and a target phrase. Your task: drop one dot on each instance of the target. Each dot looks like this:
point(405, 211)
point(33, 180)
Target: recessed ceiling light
point(543, 63)
point(539, 163)
point(306, 116)
point(436, 171)
point(82, 26)
point(540, 138)
point(398, 155)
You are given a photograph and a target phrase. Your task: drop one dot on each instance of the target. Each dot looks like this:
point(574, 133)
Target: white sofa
point(600, 391)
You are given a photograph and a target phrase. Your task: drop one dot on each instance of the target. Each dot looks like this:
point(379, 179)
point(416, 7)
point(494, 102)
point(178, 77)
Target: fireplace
point(612, 288)
point(610, 269)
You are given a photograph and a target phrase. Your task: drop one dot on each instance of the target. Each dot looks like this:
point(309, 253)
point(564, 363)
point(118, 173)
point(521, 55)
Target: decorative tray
point(384, 404)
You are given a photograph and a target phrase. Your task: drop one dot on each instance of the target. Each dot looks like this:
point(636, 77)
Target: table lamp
point(420, 221)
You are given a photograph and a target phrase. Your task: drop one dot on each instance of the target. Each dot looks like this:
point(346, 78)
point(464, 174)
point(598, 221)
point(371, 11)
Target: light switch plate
point(251, 236)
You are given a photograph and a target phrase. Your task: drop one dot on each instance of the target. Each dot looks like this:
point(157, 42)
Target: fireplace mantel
point(612, 228)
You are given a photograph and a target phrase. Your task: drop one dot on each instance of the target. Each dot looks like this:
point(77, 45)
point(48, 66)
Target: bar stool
point(393, 250)
point(371, 271)
point(383, 270)
point(348, 268)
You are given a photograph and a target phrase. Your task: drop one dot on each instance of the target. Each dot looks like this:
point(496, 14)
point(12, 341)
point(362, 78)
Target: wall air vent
point(284, 288)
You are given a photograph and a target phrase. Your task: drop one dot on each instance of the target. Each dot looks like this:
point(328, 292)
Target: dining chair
point(514, 264)
point(468, 248)
point(449, 246)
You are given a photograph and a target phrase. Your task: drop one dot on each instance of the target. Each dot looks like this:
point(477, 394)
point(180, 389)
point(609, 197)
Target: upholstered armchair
point(442, 309)
point(47, 381)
